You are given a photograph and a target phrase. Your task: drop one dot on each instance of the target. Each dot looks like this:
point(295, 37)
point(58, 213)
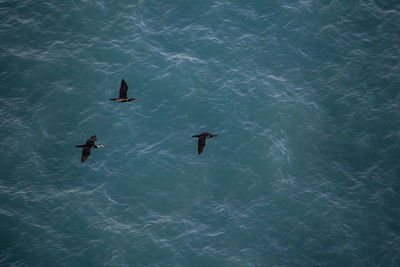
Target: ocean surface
point(305, 96)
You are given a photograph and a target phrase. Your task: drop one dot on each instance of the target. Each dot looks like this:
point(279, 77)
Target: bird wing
point(90, 141)
point(123, 91)
point(85, 153)
point(201, 143)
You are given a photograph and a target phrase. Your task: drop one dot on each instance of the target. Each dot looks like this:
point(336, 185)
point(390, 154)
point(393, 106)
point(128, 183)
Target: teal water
point(304, 94)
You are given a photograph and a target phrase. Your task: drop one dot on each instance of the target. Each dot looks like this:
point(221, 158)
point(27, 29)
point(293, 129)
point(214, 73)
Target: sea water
point(303, 94)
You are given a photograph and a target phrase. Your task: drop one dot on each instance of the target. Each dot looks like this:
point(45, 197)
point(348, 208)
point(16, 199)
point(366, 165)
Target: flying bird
point(123, 94)
point(88, 146)
point(202, 140)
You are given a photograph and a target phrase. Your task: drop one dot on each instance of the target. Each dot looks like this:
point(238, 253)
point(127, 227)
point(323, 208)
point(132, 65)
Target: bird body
point(86, 148)
point(202, 140)
point(123, 94)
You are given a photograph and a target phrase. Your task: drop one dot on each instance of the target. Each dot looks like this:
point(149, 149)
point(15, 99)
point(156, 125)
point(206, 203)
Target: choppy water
point(305, 95)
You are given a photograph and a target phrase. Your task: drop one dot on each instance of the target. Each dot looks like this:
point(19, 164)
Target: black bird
point(88, 146)
point(202, 140)
point(123, 94)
